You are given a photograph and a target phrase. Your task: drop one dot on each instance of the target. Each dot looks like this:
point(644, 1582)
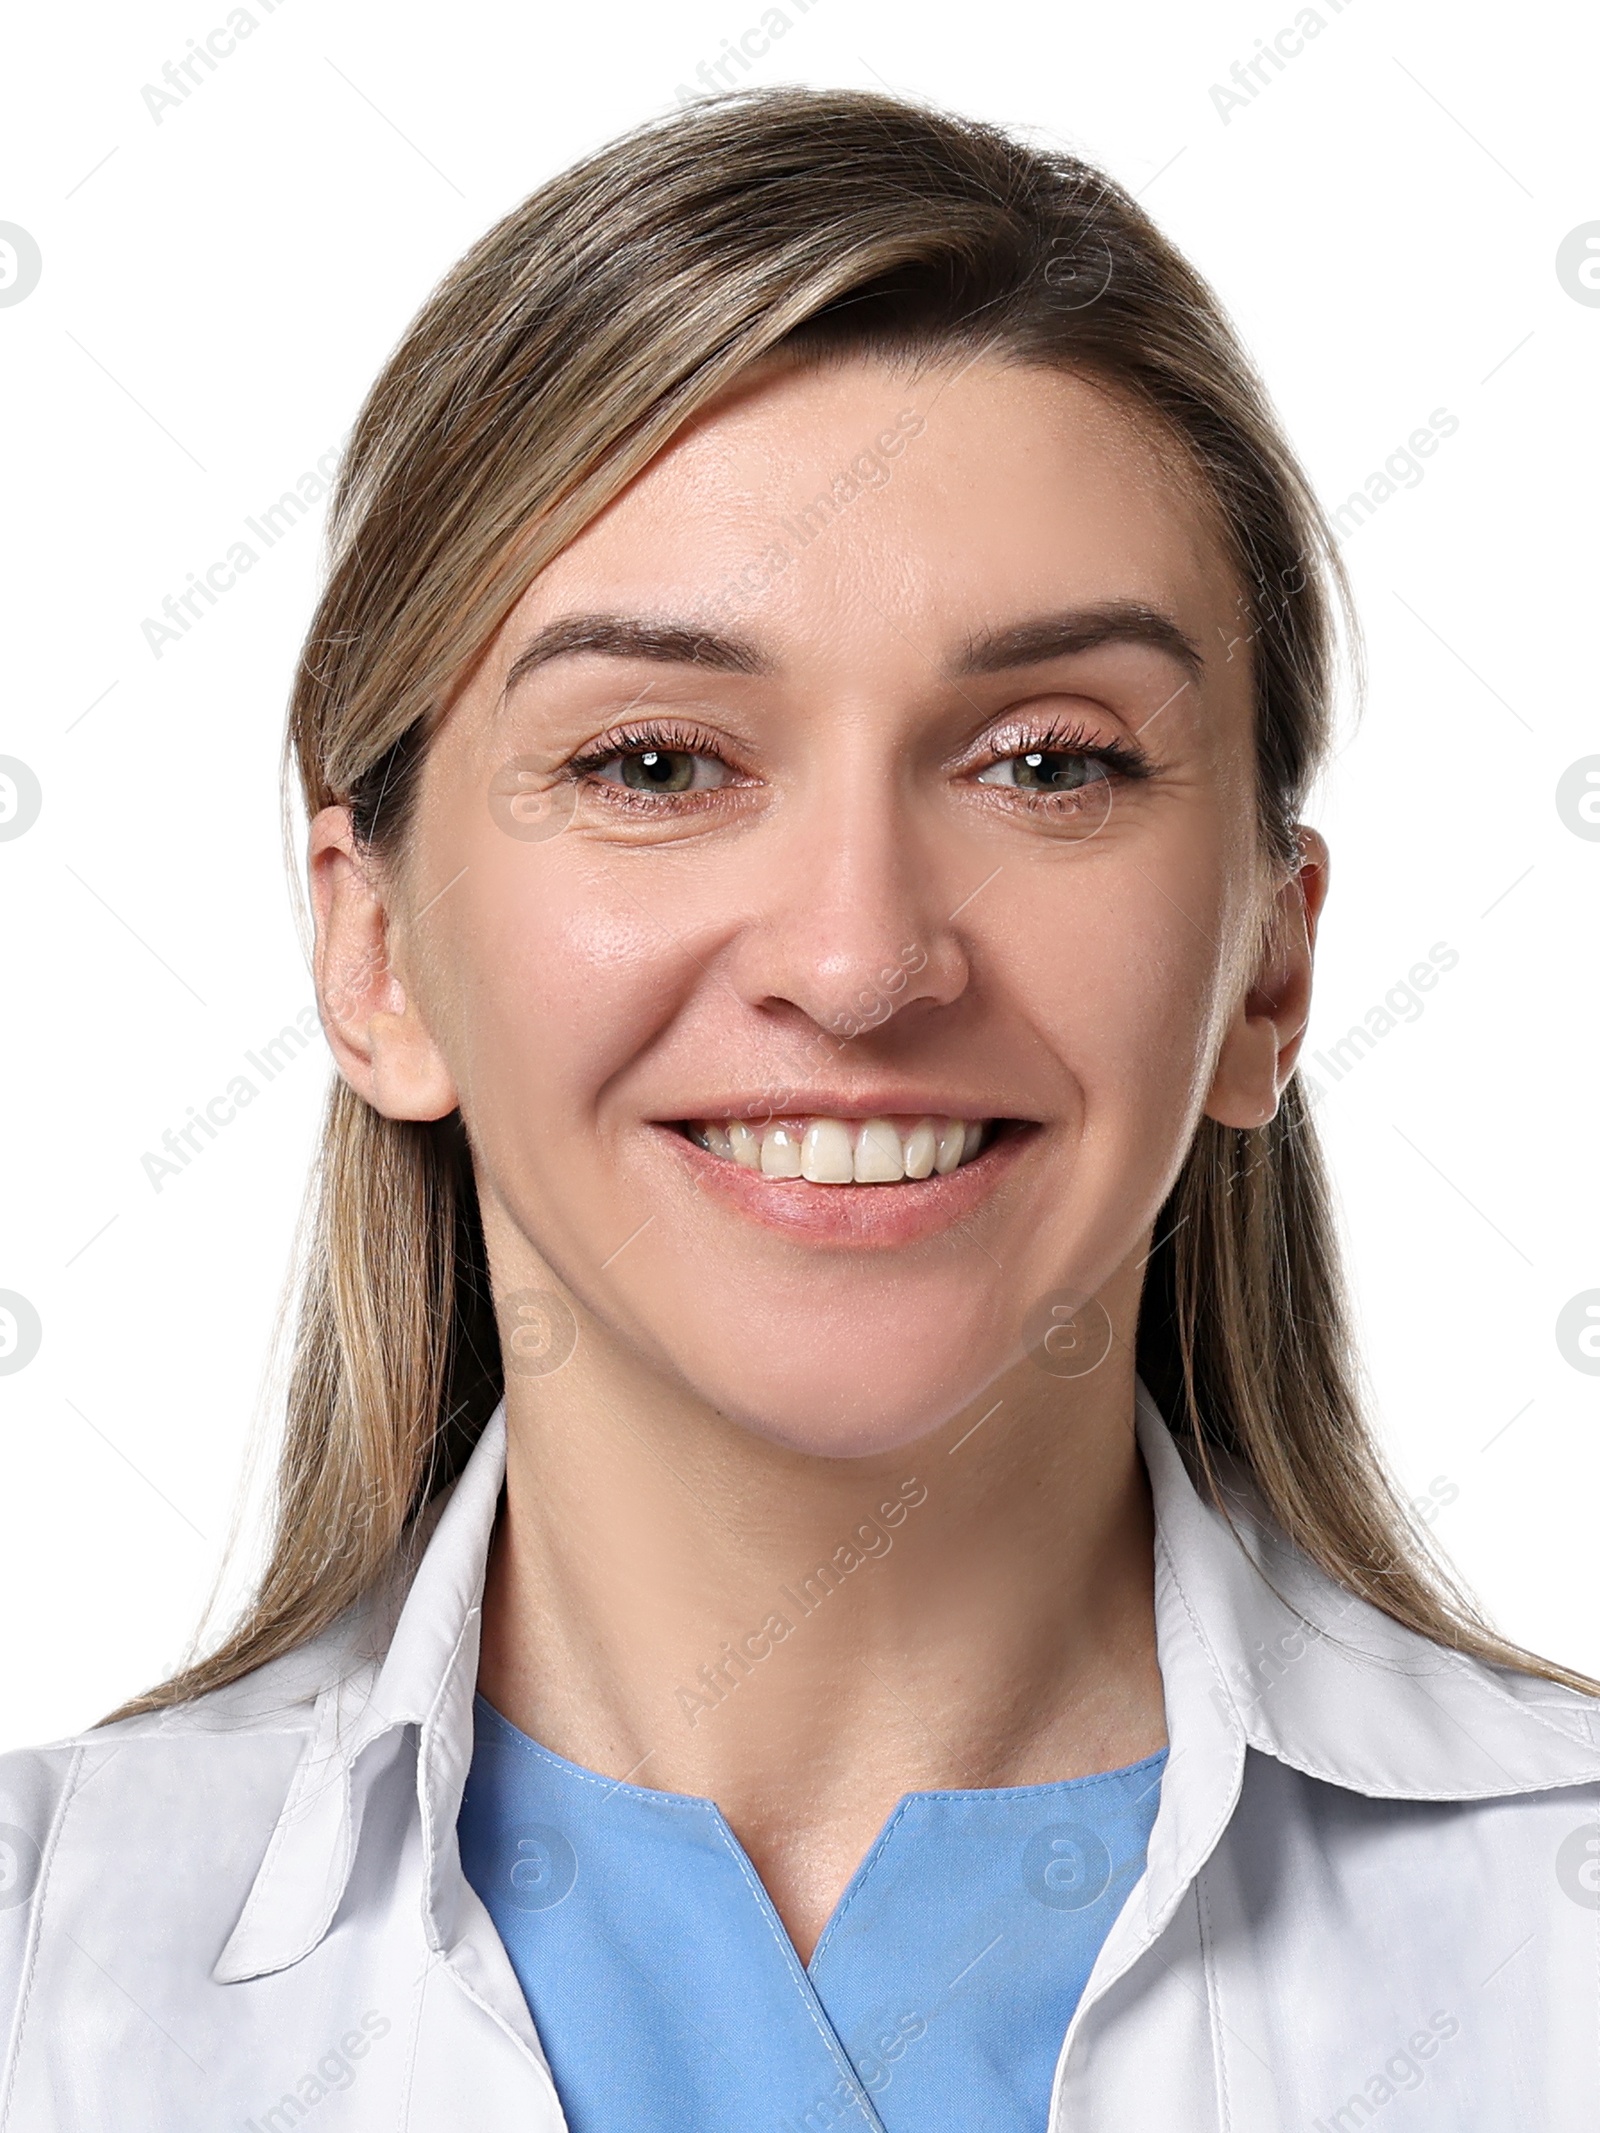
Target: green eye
point(657, 770)
point(667, 763)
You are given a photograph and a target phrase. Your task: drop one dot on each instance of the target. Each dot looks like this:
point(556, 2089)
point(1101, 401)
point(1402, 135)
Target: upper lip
point(779, 1101)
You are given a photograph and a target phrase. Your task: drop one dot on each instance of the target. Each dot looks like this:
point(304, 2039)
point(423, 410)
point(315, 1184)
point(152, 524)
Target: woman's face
point(884, 754)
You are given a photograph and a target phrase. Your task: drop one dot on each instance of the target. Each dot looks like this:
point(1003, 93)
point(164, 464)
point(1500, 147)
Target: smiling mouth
point(839, 1151)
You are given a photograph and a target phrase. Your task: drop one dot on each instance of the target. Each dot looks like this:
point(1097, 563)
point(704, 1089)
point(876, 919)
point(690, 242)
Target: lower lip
point(863, 1217)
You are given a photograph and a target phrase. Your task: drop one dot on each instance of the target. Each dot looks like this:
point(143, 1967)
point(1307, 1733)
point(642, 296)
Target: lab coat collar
point(1257, 1649)
point(426, 1678)
point(1326, 1683)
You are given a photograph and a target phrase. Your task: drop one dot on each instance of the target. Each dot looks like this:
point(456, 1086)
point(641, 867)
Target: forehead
point(819, 506)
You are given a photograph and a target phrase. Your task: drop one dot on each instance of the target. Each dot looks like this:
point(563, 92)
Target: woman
point(828, 1569)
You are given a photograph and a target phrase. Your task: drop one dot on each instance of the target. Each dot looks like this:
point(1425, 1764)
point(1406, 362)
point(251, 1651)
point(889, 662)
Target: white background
point(218, 290)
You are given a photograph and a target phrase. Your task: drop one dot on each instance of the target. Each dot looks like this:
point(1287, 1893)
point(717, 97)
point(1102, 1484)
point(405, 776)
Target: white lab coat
point(1372, 1894)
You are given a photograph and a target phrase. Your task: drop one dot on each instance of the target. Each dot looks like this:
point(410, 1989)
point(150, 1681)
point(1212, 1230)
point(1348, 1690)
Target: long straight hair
point(562, 352)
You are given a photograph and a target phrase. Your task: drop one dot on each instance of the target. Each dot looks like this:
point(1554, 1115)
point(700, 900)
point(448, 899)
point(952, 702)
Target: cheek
point(558, 983)
point(1125, 986)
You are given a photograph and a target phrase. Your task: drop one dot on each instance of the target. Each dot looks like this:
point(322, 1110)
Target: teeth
point(780, 1152)
point(922, 1148)
point(880, 1159)
point(826, 1156)
point(744, 1143)
point(836, 1151)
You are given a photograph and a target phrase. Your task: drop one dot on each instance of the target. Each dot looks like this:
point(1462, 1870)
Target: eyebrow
point(1022, 644)
point(1081, 629)
point(632, 637)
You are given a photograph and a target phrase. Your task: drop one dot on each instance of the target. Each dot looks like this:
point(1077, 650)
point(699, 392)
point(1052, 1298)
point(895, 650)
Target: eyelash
point(639, 740)
point(1122, 758)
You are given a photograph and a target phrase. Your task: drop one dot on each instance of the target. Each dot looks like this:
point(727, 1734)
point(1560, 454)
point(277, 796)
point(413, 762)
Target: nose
point(855, 921)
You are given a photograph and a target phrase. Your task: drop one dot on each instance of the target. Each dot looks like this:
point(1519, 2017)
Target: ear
point(379, 1041)
point(1264, 1037)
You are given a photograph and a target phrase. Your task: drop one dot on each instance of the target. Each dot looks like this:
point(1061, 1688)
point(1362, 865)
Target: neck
point(675, 1601)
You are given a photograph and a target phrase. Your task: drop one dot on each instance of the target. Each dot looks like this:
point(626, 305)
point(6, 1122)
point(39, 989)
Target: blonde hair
point(559, 355)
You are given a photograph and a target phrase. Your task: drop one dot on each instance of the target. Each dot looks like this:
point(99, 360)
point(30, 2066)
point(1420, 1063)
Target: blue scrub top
point(670, 1999)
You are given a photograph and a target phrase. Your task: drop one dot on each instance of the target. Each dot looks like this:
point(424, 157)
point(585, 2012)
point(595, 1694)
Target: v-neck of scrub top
point(668, 1995)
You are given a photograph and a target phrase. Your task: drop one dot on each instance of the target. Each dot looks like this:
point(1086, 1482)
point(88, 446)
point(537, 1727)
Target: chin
point(841, 1406)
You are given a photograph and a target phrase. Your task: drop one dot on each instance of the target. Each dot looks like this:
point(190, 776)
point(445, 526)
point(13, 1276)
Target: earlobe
point(1263, 1040)
point(374, 1028)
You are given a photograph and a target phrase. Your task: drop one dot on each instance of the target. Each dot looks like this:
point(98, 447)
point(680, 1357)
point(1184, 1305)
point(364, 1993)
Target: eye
point(662, 770)
point(1045, 770)
point(1063, 760)
point(642, 761)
